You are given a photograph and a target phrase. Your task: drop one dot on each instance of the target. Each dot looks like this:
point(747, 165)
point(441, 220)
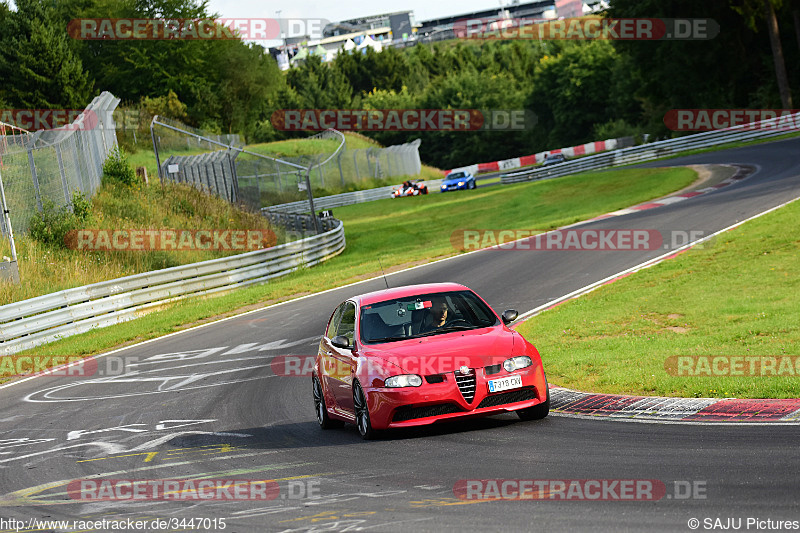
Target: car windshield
point(554, 157)
point(423, 315)
point(455, 175)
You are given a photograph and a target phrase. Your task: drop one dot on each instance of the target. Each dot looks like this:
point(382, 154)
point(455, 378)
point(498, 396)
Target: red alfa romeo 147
point(420, 354)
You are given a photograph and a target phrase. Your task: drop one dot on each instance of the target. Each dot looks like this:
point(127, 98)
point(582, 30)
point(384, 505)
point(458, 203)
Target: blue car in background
point(458, 180)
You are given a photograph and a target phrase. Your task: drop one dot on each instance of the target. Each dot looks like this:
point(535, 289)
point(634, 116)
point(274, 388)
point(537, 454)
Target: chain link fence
point(260, 177)
point(335, 169)
point(50, 165)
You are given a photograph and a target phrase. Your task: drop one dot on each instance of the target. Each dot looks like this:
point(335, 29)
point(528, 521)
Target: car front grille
point(513, 396)
point(466, 384)
point(406, 413)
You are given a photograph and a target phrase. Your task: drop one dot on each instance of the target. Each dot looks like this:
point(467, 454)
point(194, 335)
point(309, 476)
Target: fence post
point(155, 149)
point(7, 221)
point(33, 172)
point(355, 164)
point(63, 177)
point(311, 200)
point(86, 186)
point(339, 162)
point(235, 182)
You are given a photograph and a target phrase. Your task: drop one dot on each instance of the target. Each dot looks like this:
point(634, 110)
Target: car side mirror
point(509, 316)
point(340, 341)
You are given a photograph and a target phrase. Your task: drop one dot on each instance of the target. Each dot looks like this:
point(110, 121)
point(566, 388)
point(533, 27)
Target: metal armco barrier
point(44, 319)
point(297, 222)
point(346, 198)
point(651, 151)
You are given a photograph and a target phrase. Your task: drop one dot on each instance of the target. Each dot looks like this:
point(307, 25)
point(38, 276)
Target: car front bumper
point(435, 402)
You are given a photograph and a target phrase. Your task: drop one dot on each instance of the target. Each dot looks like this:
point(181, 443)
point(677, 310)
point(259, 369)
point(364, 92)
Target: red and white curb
point(659, 409)
point(741, 173)
point(662, 409)
point(527, 160)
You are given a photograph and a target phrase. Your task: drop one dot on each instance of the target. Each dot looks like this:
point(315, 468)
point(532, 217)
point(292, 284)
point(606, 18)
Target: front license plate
point(510, 382)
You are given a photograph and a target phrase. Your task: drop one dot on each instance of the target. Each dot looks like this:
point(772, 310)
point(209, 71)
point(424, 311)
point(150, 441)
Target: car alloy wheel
point(362, 413)
point(324, 420)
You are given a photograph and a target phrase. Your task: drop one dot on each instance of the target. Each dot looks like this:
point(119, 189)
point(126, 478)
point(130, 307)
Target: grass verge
point(49, 265)
point(404, 232)
point(144, 156)
point(737, 296)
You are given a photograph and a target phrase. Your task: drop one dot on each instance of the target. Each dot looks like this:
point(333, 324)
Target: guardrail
point(651, 151)
point(299, 223)
point(47, 318)
point(343, 199)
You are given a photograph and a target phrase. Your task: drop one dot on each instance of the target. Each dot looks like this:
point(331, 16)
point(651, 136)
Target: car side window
point(347, 324)
point(334, 323)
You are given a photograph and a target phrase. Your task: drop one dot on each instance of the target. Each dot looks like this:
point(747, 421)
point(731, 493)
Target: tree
point(320, 86)
point(766, 8)
point(37, 63)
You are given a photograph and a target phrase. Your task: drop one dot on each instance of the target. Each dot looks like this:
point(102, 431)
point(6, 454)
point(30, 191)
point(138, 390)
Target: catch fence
point(261, 176)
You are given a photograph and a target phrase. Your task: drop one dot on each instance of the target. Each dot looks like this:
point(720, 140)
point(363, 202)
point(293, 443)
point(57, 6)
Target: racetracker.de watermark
point(192, 489)
point(12, 366)
point(743, 119)
point(733, 365)
point(144, 240)
point(303, 365)
point(248, 29)
point(403, 119)
point(587, 28)
point(578, 489)
point(49, 119)
point(571, 239)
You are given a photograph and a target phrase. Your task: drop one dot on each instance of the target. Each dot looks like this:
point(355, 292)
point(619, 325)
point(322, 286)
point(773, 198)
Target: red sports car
point(420, 354)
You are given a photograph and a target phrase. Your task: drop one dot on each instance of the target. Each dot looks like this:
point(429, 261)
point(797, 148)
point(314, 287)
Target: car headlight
point(444, 186)
point(516, 363)
point(405, 380)
point(460, 183)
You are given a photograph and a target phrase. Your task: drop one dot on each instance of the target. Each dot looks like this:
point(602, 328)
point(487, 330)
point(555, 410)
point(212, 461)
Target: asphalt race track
point(207, 403)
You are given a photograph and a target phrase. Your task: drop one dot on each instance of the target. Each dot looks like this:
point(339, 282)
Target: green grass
point(47, 268)
point(422, 226)
point(404, 232)
point(298, 147)
point(292, 148)
point(737, 296)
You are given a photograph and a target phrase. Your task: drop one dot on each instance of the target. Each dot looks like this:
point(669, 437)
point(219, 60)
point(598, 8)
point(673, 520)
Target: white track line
point(522, 317)
point(640, 266)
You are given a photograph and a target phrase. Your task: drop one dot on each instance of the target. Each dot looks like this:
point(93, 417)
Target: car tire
point(325, 421)
point(474, 185)
point(537, 412)
point(361, 410)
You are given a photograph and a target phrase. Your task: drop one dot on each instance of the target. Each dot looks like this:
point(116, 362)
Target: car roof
point(406, 291)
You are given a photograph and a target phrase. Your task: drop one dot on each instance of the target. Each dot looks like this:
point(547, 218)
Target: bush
point(117, 169)
point(614, 129)
point(53, 224)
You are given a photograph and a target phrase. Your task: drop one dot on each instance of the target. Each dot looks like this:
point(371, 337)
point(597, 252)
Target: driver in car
point(437, 315)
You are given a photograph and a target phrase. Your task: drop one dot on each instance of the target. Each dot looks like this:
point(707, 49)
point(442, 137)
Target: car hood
point(439, 354)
